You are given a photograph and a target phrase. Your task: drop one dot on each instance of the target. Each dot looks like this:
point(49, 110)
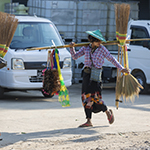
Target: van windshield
point(35, 34)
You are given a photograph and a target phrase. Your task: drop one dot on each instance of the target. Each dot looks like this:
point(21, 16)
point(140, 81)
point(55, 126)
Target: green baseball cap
point(97, 34)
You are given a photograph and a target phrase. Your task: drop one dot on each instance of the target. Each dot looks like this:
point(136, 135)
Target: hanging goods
point(63, 95)
point(8, 25)
point(127, 86)
point(51, 84)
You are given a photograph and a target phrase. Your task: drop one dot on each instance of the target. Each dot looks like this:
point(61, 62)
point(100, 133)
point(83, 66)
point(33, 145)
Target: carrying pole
point(86, 44)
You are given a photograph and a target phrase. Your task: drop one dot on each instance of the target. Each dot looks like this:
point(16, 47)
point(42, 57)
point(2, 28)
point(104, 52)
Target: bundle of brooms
point(8, 25)
point(127, 86)
point(51, 83)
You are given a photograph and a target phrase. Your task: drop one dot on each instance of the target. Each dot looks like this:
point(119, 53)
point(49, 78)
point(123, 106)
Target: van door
point(139, 55)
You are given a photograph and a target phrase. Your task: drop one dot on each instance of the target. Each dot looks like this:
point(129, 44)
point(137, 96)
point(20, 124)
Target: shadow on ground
point(12, 138)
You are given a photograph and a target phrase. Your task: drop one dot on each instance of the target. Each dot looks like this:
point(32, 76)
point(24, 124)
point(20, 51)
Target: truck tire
point(47, 96)
point(142, 80)
point(1, 92)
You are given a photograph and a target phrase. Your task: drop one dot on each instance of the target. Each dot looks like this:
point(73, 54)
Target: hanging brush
point(48, 78)
point(57, 84)
point(127, 86)
point(51, 83)
point(3, 18)
point(63, 96)
point(8, 25)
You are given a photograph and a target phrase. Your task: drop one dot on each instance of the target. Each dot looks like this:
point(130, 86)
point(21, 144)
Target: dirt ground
point(107, 141)
point(30, 122)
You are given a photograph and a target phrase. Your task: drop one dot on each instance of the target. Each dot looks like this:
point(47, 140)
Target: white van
point(24, 68)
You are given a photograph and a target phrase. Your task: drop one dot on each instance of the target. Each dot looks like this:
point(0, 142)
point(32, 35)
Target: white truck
point(24, 68)
point(138, 53)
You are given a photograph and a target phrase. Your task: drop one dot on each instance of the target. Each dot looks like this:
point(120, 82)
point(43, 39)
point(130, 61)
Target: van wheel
point(142, 80)
point(47, 96)
point(1, 92)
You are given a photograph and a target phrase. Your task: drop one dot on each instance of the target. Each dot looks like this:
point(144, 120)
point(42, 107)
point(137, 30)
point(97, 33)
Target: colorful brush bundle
point(53, 81)
point(8, 25)
point(63, 93)
point(127, 86)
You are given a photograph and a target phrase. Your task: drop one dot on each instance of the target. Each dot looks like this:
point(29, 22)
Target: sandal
point(85, 125)
point(110, 117)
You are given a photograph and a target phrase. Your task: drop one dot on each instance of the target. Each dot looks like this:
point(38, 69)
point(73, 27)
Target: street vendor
point(91, 96)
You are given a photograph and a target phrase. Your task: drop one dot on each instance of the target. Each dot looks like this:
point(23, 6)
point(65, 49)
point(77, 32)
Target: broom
point(11, 31)
point(3, 18)
point(117, 14)
point(127, 86)
point(8, 25)
point(63, 93)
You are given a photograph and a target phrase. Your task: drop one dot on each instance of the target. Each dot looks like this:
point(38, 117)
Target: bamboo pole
point(85, 44)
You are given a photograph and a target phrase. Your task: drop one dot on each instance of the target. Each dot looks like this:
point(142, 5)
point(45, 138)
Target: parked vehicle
point(24, 68)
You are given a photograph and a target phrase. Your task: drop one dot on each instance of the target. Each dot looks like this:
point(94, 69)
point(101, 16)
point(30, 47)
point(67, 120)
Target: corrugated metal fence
point(73, 18)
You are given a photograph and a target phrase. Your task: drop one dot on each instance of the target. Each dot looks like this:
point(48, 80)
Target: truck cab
point(24, 68)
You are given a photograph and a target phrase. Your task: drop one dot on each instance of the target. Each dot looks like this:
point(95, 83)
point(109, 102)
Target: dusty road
point(30, 122)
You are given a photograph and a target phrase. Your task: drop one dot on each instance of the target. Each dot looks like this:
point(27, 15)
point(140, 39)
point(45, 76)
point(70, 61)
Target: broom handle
point(125, 55)
point(48, 59)
point(84, 44)
point(118, 61)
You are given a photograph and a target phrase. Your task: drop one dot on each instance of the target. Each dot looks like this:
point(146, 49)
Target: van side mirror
point(146, 44)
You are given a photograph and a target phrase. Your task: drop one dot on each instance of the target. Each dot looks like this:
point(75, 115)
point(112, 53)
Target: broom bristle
point(12, 31)
point(119, 87)
point(128, 87)
point(51, 82)
point(8, 25)
point(117, 16)
point(57, 84)
point(7, 28)
point(124, 18)
point(3, 19)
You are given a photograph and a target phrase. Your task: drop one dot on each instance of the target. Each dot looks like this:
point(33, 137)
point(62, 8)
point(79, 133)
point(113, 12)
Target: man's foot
point(86, 125)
